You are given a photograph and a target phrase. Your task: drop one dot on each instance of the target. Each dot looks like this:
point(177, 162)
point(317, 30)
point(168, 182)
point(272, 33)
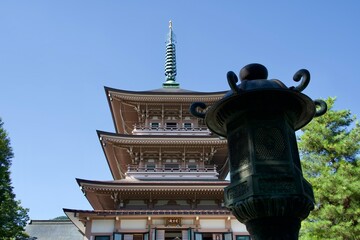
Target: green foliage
point(329, 148)
point(61, 218)
point(13, 217)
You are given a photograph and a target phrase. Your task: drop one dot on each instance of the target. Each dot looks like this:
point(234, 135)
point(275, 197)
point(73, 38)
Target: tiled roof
point(151, 212)
point(53, 229)
point(168, 94)
point(162, 183)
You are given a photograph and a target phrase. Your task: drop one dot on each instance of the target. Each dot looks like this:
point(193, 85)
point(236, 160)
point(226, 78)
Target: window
point(171, 167)
point(198, 236)
point(217, 236)
point(192, 167)
point(146, 236)
point(102, 237)
point(187, 126)
point(154, 125)
point(138, 236)
point(171, 125)
point(242, 237)
point(228, 236)
point(118, 236)
point(131, 236)
point(150, 167)
point(207, 236)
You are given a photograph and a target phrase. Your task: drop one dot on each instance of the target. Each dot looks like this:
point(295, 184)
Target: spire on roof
point(170, 61)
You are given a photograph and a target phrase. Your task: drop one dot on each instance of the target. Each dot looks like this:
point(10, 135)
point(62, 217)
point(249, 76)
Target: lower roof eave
point(153, 182)
point(72, 214)
point(103, 213)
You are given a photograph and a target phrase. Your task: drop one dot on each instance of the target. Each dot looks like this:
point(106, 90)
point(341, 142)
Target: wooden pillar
point(117, 224)
point(88, 225)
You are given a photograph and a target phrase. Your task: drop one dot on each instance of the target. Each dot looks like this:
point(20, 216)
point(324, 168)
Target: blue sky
point(56, 57)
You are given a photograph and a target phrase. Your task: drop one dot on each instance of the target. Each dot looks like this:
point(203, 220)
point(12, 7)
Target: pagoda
point(168, 169)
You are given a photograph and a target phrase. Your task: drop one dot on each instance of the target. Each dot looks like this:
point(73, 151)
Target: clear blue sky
point(56, 57)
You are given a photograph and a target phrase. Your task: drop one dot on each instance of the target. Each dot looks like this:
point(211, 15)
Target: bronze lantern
point(259, 117)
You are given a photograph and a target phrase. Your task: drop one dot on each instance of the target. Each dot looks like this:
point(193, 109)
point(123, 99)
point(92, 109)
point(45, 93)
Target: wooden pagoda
point(168, 169)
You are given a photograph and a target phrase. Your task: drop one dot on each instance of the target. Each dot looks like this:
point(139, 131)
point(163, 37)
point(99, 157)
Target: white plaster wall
point(102, 226)
point(158, 221)
point(237, 226)
point(212, 223)
point(133, 224)
point(187, 221)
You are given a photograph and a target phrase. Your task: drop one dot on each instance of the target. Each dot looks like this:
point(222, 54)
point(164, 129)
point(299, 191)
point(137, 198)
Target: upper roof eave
point(163, 91)
point(164, 95)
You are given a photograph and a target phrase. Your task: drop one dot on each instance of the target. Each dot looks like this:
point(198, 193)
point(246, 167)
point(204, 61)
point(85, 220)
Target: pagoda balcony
point(143, 130)
point(164, 173)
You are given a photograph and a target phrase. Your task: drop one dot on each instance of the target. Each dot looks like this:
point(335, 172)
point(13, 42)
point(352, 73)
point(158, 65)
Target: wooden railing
point(169, 130)
point(135, 168)
point(182, 129)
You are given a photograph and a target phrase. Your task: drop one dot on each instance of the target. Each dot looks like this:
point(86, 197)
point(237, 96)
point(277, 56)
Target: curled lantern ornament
point(198, 109)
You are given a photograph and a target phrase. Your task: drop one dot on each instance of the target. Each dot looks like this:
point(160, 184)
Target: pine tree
point(329, 148)
point(13, 217)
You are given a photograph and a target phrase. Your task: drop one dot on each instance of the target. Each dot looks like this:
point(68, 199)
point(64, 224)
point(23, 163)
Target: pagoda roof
point(127, 107)
point(116, 148)
point(101, 194)
point(161, 139)
point(79, 217)
point(149, 212)
point(170, 94)
point(113, 184)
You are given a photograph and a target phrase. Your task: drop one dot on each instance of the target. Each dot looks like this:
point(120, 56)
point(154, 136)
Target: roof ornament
point(170, 60)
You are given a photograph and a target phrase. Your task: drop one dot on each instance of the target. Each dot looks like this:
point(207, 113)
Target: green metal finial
point(170, 61)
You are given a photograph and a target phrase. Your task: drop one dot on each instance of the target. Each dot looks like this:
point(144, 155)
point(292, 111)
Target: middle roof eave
point(160, 139)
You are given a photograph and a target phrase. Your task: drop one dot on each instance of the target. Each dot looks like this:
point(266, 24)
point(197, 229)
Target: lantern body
point(259, 118)
point(267, 185)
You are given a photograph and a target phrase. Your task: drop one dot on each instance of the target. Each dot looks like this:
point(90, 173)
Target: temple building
point(168, 169)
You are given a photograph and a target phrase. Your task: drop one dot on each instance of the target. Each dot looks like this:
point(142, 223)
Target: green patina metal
point(170, 61)
point(259, 117)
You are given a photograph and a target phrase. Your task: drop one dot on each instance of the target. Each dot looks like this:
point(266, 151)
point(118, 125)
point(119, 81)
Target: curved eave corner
point(99, 133)
point(109, 99)
point(73, 215)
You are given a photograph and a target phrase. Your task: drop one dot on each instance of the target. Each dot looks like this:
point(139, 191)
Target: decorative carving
point(193, 203)
point(269, 143)
point(261, 207)
point(238, 190)
point(117, 201)
point(173, 221)
point(150, 203)
point(280, 185)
